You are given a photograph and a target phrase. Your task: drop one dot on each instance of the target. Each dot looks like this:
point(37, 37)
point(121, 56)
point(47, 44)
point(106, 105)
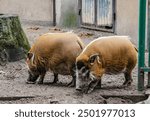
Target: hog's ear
point(30, 55)
point(96, 57)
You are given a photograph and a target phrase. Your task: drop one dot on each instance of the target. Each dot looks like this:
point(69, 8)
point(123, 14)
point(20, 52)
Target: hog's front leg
point(92, 85)
point(41, 78)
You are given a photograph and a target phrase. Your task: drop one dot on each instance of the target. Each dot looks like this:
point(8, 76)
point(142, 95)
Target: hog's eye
point(80, 65)
point(83, 70)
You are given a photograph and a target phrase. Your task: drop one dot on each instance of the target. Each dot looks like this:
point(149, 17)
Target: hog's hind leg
point(73, 74)
point(128, 79)
point(128, 72)
point(55, 78)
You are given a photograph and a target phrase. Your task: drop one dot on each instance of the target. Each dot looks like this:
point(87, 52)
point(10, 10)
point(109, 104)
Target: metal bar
point(141, 43)
point(79, 12)
point(54, 12)
point(148, 44)
point(145, 69)
point(95, 12)
point(114, 15)
point(148, 85)
point(96, 28)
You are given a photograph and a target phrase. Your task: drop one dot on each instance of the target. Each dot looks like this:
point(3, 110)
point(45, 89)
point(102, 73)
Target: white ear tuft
point(98, 59)
point(32, 59)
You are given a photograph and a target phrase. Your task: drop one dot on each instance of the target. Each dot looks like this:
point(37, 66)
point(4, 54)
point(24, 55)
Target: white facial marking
point(98, 59)
point(28, 67)
point(80, 70)
point(85, 73)
point(78, 81)
point(77, 74)
point(92, 77)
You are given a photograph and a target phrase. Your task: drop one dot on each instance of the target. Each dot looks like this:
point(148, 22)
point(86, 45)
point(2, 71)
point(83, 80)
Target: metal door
point(98, 14)
point(88, 16)
point(105, 13)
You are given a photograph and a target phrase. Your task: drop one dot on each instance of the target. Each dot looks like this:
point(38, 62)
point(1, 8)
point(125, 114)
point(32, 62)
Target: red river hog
point(56, 52)
point(105, 55)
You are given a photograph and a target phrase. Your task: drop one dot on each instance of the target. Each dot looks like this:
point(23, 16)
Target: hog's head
point(89, 71)
point(32, 68)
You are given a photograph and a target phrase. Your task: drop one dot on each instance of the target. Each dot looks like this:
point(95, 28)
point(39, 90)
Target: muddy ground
point(13, 76)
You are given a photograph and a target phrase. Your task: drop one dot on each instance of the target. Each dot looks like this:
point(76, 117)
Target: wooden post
point(12, 36)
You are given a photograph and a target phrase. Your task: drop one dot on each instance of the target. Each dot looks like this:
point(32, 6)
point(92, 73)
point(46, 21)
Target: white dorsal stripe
point(100, 38)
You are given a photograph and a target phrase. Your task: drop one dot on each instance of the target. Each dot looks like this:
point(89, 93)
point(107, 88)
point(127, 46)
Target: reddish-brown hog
point(56, 52)
point(105, 55)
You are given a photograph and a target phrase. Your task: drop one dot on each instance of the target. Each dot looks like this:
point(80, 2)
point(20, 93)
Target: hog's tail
point(132, 44)
point(135, 48)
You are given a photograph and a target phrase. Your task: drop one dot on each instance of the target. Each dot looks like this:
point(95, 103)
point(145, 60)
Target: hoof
point(89, 90)
point(54, 82)
point(127, 83)
point(30, 82)
point(71, 84)
point(98, 87)
point(40, 82)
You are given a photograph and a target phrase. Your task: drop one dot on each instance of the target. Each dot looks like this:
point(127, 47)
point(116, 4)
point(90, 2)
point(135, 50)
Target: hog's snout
point(32, 78)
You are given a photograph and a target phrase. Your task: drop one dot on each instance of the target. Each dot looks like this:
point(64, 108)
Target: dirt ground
point(14, 75)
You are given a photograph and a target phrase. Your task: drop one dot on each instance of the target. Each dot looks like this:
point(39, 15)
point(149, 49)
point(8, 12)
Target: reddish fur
point(116, 53)
point(56, 52)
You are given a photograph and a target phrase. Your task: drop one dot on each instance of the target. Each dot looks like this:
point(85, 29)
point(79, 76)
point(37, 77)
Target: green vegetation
point(12, 34)
point(70, 20)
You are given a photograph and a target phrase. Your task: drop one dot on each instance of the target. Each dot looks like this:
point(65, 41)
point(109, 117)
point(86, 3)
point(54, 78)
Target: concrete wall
point(31, 10)
point(127, 18)
point(66, 13)
point(36, 11)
